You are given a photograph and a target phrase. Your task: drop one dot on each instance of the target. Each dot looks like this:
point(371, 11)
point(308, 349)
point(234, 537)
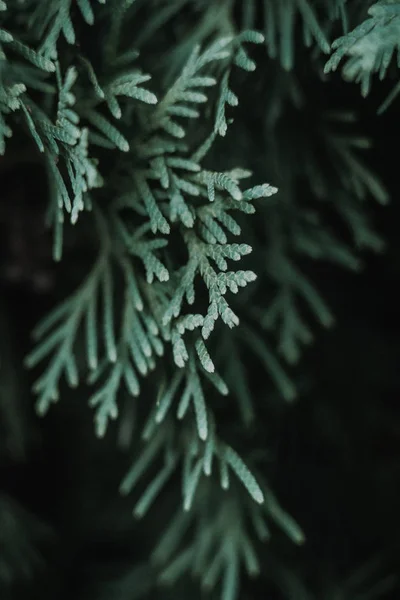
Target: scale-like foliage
point(51, 19)
point(148, 162)
point(223, 542)
point(282, 18)
point(370, 47)
point(198, 456)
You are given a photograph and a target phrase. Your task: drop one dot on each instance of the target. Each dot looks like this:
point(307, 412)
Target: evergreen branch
point(222, 538)
point(172, 224)
point(137, 348)
point(52, 18)
point(197, 456)
point(281, 21)
point(56, 335)
point(370, 47)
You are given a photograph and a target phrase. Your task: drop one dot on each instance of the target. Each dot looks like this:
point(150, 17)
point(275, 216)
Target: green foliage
point(222, 544)
point(370, 48)
point(50, 20)
point(159, 430)
point(281, 20)
point(212, 545)
point(171, 212)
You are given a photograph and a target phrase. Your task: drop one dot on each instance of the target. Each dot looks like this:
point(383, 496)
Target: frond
point(370, 47)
